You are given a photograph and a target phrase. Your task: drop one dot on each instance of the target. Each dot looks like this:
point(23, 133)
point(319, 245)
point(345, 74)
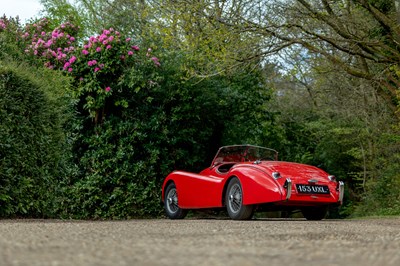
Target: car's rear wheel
point(234, 201)
point(314, 213)
point(172, 209)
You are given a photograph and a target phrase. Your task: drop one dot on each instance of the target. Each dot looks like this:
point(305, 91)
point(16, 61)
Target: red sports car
point(247, 178)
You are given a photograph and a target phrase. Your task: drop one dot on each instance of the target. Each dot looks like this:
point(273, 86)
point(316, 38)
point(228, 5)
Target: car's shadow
point(223, 215)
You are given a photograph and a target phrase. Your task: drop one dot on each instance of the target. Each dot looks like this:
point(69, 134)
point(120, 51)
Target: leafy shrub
point(381, 194)
point(31, 140)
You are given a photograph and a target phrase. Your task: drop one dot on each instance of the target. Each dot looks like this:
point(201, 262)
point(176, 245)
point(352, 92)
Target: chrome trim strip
point(312, 180)
point(288, 188)
point(341, 191)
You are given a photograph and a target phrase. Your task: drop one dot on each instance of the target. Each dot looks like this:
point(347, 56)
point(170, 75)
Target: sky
point(25, 9)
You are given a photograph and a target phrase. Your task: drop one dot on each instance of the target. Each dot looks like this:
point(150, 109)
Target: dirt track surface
point(200, 242)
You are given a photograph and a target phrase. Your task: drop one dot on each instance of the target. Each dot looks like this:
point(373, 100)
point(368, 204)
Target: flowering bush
point(98, 65)
point(52, 47)
point(10, 39)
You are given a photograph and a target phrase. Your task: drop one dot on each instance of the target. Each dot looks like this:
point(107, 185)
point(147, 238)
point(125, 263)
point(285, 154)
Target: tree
point(359, 36)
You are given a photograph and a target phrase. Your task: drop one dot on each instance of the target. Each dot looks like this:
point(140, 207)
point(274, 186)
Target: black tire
point(234, 201)
point(171, 206)
point(314, 213)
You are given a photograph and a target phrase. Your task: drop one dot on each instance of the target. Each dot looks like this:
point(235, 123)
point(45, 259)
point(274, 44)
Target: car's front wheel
point(234, 201)
point(171, 206)
point(314, 213)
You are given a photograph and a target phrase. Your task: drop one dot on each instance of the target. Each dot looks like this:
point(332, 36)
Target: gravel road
point(200, 242)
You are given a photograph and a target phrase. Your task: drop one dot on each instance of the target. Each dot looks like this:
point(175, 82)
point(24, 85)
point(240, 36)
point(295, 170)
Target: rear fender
point(257, 186)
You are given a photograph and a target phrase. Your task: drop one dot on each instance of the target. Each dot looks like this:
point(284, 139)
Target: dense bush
point(381, 194)
point(32, 140)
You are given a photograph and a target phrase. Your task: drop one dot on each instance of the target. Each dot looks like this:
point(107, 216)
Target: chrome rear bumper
point(288, 186)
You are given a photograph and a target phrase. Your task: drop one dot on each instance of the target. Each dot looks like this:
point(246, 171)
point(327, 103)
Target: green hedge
point(32, 140)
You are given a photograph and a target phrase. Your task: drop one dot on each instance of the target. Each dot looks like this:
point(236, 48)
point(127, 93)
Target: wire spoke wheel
point(235, 198)
point(234, 201)
point(171, 206)
point(172, 201)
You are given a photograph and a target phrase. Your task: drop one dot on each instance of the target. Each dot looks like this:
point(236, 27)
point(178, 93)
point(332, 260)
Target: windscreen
point(244, 153)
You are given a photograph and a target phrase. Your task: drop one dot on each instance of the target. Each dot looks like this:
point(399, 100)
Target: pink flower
point(2, 24)
point(72, 59)
point(108, 47)
point(85, 52)
point(135, 47)
point(67, 65)
point(107, 89)
point(102, 37)
point(155, 60)
point(92, 62)
point(98, 49)
point(130, 53)
point(96, 69)
point(128, 39)
point(70, 69)
point(49, 43)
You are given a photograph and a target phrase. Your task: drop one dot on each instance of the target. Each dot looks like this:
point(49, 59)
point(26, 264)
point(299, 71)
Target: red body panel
point(258, 187)
point(195, 190)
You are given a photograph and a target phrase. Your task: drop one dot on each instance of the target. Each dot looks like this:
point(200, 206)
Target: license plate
point(312, 189)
